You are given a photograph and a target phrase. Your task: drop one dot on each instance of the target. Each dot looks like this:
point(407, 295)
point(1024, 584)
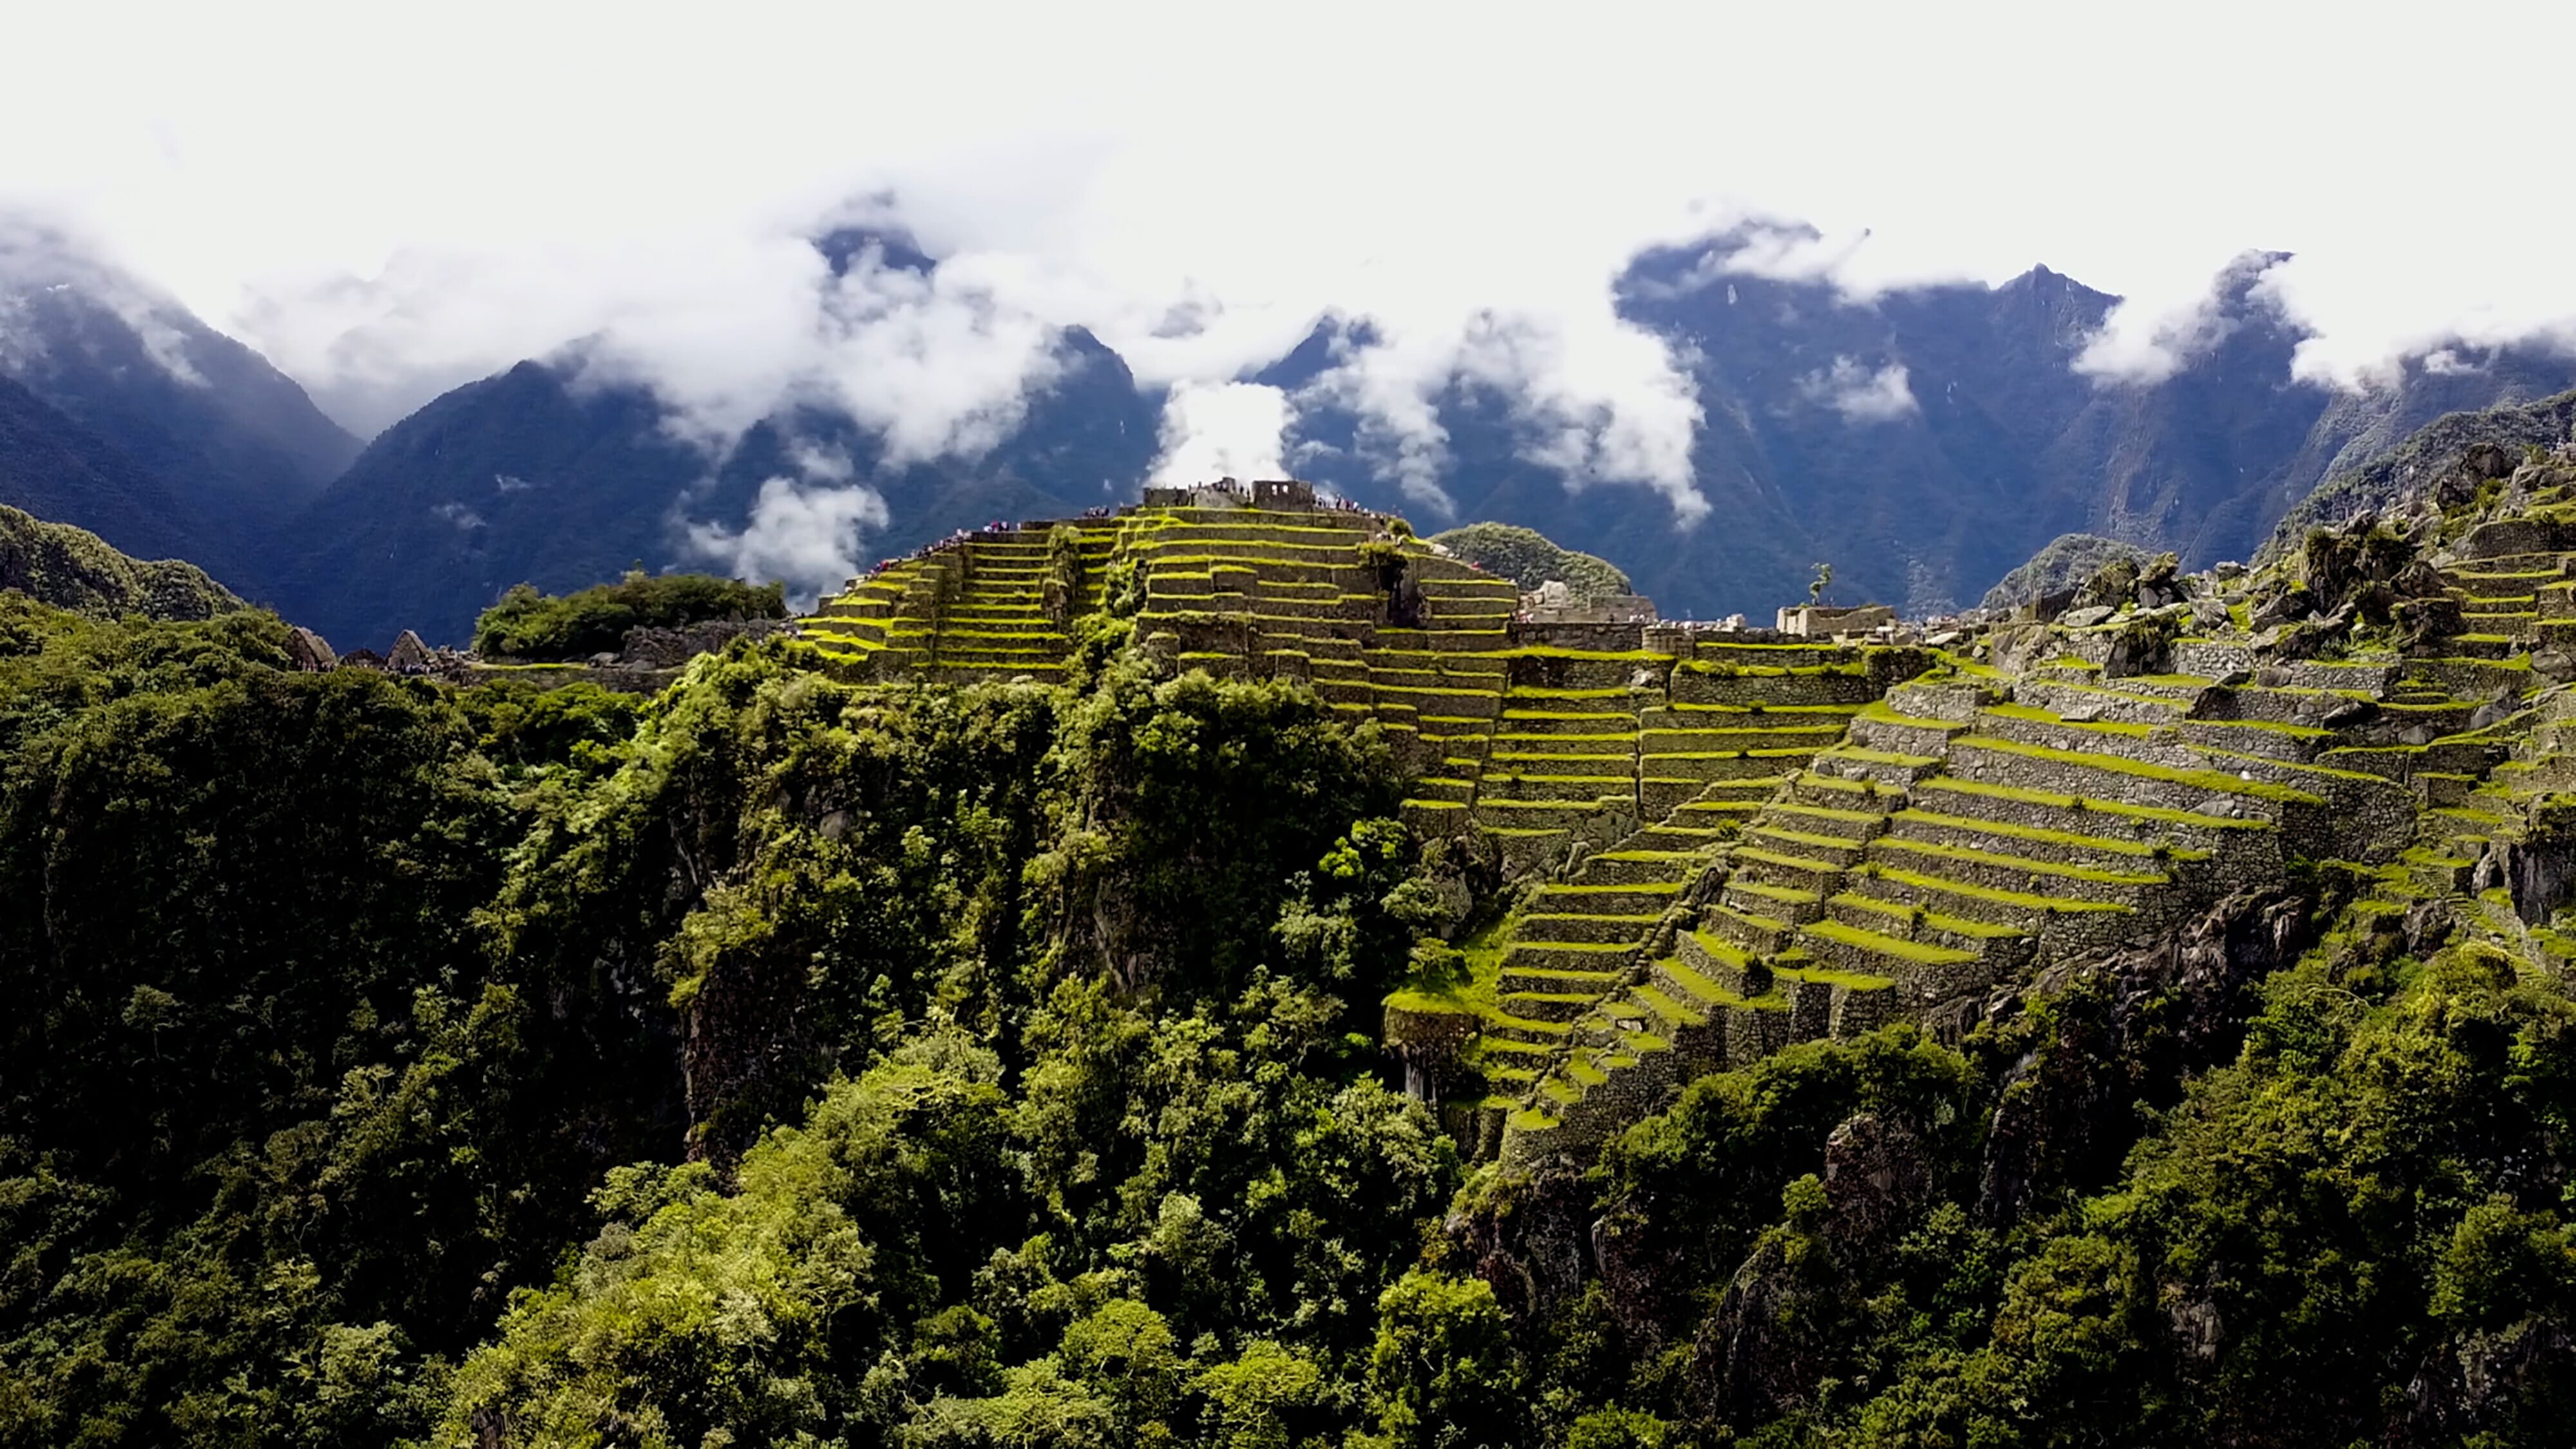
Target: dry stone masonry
point(1724, 841)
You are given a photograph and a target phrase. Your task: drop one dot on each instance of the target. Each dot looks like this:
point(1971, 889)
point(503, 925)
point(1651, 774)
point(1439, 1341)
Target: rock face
point(1764, 1350)
point(2130, 1027)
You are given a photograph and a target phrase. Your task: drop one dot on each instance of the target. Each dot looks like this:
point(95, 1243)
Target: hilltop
point(72, 568)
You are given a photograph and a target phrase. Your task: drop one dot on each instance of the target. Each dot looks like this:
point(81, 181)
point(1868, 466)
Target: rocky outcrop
point(2128, 1027)
point(1774, 1334)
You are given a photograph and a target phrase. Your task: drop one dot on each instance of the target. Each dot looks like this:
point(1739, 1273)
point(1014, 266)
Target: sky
point(389, 200)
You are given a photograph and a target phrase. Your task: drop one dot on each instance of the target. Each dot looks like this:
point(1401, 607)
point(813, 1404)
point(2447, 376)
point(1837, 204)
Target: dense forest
point(778, 1061)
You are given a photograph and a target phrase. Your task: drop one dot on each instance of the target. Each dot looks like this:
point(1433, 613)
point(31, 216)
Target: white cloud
point(1222, 430)
point(609, 175)
point(1862, 394)
point(804, 535)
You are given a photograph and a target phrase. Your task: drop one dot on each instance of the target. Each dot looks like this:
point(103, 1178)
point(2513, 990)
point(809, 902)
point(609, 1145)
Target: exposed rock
point(658, 648)
point(2553, 665)
point(2130, 1025)
point(2536, 870)
point(2479, 1388)
point(2208, 613)
point(2085, 618)
point(1765, 1348)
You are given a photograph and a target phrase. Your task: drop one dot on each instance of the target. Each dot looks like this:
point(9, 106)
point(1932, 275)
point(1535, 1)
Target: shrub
point(527, 624)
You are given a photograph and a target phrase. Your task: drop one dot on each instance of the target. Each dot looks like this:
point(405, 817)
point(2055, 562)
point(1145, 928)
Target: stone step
point(2112, 777)
point(1792, 904)
point(2080, 815)
point(1739, 765)
point(1881, 728)
point(1833, 791)
point(1584, 928)
point(1750, 931)
point(1518, 980)
point(1638, 867)
point(1554, 1006)
point(2060, 847)
point(1829, 820)
point(1881, 767)
point(1508, 779)
point(1720, 960)
point(1529, 749)
point(2023, 910)
point(1999, 870)
point(1757, 864)
point(1777, 831)
point(1649, 901)
point(2100, 702)
point(2000, 944)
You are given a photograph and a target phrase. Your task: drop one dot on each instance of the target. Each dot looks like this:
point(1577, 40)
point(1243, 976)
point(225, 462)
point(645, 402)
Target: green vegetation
point(830, 1061)
point(70, 568)
point(1528, 559)
point(527, 624)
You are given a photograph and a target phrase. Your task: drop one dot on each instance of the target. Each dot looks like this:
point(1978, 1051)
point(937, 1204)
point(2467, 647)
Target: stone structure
point(1261, 493)
point(1819, 621)
point(1553, 603)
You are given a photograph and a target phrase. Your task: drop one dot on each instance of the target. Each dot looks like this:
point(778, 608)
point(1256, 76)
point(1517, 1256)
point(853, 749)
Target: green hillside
point(1212, 976)
point(70, 568)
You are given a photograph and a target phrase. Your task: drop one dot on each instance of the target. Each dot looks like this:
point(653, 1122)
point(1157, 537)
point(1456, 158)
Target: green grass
point(2210, 780)
point(2101, 843)
point(2087, 804)
point(1970, 855)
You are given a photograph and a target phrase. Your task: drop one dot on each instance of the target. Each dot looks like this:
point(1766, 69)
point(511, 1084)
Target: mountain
point(72, 568)
point(1925, 441)
point(539, 475)
point(54, 468)
point(227, 433)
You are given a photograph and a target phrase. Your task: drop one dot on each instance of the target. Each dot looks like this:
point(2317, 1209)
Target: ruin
point(1729, 839)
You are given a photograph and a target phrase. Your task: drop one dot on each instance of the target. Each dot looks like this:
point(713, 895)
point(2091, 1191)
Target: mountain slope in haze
point(539, 476)
point(1927, 441)
point(1924, 441)
point(226, 432)
point(53, 468)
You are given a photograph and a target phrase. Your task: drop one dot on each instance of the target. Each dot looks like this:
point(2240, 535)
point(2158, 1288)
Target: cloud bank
point(646, 187)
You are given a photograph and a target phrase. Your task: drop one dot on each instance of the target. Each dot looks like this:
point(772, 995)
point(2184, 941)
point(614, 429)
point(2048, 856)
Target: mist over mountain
point(1924, 440)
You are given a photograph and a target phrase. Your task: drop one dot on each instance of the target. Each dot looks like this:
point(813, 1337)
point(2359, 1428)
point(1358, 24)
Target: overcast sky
point(392, 199)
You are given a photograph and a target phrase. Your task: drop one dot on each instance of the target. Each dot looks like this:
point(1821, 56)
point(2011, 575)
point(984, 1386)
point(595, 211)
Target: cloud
point(1862, 394)
point(1222, 430)
point(649, 188)
point(37, 257)
point(804, 535)
point(804, 531)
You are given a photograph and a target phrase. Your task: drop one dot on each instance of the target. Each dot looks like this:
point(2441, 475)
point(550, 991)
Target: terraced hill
point(1723, 843)
point(1641, 745)
point(2038, 796)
